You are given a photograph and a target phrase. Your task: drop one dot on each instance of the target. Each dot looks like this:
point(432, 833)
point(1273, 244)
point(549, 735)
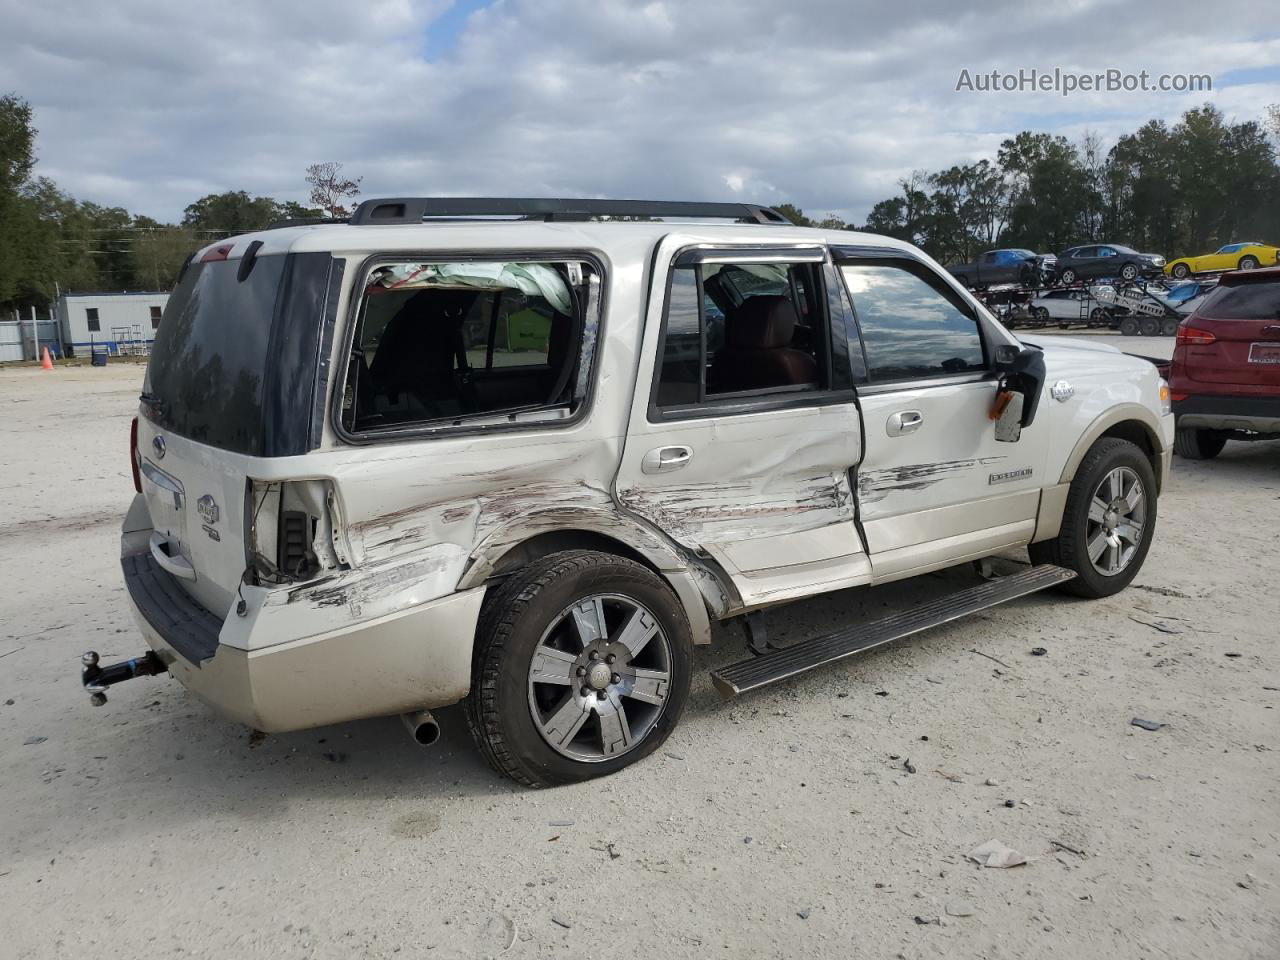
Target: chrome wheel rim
point(599, 678)
point(1117, 521)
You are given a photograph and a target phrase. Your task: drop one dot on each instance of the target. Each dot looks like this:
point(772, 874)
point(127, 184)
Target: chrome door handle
point(904, 422)
point(663, 459)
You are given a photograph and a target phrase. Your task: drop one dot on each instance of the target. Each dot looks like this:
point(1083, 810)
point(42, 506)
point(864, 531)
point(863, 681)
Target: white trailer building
point(116, 322)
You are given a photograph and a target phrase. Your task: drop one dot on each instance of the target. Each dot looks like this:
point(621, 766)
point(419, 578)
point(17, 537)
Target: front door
point(745, 428)
point(934, 486)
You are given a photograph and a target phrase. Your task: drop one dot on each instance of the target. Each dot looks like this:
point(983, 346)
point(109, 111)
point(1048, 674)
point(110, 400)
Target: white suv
point(521, 453)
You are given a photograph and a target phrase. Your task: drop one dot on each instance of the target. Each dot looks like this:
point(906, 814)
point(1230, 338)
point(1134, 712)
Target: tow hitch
point(96, 679)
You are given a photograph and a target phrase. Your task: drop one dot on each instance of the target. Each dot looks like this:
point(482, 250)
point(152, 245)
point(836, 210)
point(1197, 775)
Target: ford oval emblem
point(157, 444)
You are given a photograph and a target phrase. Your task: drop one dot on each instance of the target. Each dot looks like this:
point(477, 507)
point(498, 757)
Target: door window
point(913, 324)
point(740, 331)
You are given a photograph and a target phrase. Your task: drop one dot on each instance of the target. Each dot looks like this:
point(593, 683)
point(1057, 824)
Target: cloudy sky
point(149, 104)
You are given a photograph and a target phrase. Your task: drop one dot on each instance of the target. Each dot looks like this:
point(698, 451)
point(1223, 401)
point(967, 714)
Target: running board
point(780, 664)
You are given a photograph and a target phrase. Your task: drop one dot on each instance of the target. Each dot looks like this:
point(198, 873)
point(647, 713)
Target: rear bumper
point(251, 670)
point(1256, 414)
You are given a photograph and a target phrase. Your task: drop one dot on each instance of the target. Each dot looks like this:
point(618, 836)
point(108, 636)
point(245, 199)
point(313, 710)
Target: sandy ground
point(782, 825)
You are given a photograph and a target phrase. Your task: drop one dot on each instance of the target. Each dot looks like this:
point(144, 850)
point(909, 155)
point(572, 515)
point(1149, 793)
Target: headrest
point(761, 323)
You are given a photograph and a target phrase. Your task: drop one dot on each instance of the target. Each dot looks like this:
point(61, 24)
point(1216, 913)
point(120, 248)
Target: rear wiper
point(152, 401)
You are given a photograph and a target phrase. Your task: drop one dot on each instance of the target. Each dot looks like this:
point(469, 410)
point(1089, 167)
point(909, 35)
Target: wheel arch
point(1130, 421)
point(698, 590)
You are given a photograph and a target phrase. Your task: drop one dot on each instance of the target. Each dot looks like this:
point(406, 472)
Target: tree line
point(1176, 190)
point(1173, 189)
point(51, 240)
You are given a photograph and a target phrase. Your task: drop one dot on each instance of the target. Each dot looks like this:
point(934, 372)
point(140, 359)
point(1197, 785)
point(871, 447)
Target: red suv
point(1225, 376)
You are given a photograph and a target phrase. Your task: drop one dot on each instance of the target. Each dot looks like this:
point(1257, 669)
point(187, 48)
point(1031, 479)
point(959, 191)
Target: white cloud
point(149, 104)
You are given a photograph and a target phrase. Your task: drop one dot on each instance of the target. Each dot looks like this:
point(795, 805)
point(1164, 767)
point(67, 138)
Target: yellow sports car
point(1234, 256)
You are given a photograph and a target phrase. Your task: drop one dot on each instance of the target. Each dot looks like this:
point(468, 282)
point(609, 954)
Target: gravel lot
point(785, 824)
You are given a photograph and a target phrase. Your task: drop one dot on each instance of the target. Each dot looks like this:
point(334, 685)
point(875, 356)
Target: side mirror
point(1007, 355)
point(1022, 371)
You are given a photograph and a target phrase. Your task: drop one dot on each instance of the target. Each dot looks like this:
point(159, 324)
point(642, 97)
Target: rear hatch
point(234, 377)
point(1234, 335)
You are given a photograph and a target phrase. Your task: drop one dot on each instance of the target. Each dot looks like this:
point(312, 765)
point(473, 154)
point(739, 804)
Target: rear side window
point(742, 330)
point(1248, 301)
point(913, 325)
point(469, 343)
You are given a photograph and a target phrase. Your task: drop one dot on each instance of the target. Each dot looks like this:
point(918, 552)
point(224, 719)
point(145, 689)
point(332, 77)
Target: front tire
point(1108, 523)
point(581, 668)
point(1129, 272)
point(1180, 271)
point(1192, 444)
point(1067, 276)
point(1129, 327)
point(1248, 263)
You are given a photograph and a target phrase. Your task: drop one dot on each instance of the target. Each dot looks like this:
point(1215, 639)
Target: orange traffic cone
point(45, 362)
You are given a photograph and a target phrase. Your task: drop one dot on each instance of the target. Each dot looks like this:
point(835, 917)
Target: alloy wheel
point(1117, 519)
point(598, 678)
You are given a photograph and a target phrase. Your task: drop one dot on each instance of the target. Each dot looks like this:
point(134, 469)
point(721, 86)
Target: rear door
point(934, 486)
point(1244, 319)
point(744, 426)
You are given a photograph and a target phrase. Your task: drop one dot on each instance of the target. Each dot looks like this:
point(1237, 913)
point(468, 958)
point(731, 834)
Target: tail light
point(1194, 335)
point(133, 455)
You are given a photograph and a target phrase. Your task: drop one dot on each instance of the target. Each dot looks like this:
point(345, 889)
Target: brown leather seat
point(757, 351)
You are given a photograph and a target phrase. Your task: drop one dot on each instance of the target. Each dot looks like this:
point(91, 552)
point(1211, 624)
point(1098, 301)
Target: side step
point(780, 664)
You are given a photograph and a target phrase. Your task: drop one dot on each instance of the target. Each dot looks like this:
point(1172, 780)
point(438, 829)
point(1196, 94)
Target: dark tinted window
point(1249, 301)
point(912, 324)
point(91, 315)
point(680, 376)
point(156, 313)
point(211, 353)
point(736, 329)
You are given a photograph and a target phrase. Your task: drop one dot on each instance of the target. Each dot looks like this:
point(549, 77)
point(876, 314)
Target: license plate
point(1264, 353)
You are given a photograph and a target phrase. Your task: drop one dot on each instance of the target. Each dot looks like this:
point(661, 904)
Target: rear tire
point(1150, 327)
point(527, 692)
point(1192, 444)
point(1168, 327)
point(1082, 520)
point(1129, 327)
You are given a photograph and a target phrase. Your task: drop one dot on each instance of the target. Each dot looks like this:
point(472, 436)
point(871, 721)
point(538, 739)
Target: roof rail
point(300, 222)
point(416, 209)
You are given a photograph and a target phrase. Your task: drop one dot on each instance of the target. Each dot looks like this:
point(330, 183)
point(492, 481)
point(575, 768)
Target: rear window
point(1249, 301)
point(234, 364)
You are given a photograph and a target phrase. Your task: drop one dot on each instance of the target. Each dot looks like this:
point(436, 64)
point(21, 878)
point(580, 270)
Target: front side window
point(91, 315)
point(447, 343)
point(742, 330)
point(913, 325)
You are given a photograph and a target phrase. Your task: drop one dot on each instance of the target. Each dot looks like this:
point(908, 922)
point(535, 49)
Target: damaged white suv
point(522, 453)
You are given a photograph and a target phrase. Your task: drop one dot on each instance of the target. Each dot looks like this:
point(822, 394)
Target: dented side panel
point(948, 478)
point(765, 494)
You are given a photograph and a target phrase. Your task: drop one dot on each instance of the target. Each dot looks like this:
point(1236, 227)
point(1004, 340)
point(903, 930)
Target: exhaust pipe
point(422, 727)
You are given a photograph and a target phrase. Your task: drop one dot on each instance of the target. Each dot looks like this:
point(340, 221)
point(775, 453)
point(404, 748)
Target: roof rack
point(392, 210)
